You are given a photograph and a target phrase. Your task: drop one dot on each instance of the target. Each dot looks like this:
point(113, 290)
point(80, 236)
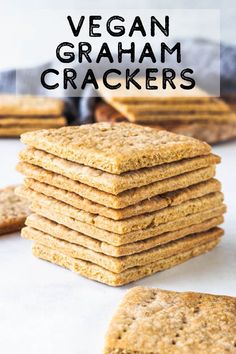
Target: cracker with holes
point(160, 321)
point(118, 202)
point(13, 211)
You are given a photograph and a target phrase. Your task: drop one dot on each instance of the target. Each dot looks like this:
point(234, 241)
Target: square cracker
point(13, 211)
point(116, 148)
point(159, 107)
point(146, 206)
point(160, 321)
point(73, 199)
point(122, 239)
point(27, 105)
point(200, 98)
point(124, 199)
point(107, 113)
point(134, 223)
point(156, 110)
point(40, 122)
point(98, 273)
point(161, 120)
point(15, 130)
point(108, 182)
point(120, 264)
point(54, 229)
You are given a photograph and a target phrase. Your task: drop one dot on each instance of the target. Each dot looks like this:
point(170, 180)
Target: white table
point(45, 309)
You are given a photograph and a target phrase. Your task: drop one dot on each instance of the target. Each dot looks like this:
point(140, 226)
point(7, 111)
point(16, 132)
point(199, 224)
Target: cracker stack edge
point(118, 202)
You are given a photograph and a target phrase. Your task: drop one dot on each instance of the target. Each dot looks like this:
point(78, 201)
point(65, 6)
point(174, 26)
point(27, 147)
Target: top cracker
point(115, 148)
point(159, 321)
point(11, 105)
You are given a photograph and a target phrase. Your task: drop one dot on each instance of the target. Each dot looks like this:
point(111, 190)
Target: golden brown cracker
point(120, 264)
point(124, 199)
point(26, 105)
point(161, 321)
point(115, 148)
point(13, 211)
point(95, 272)
point(39, 122)
point(146, 206)
point(121, 239)
point(134, 223)
point(108, 182)
point(64, 233)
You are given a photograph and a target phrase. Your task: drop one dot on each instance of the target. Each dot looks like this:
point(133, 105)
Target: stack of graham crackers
point(118, 202)
point(19, 114)
point(205, 118)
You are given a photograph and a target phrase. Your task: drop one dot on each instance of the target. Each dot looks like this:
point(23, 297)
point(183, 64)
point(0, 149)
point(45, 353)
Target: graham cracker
point(110, 183)
point(148, 112)
point(121, 239)
point(139, 100)
point(15, 131)
point(194, 191)
point(169, 107)
point(64, 233)
point(73, 199)
point(162, 321)
point(126, 225)
point(160, 119)
point(114, 184)
point(12, 105)
point(42, 122)
point(124, 199)
point(95, 272)
point(229, 118)
point(13, 211)
point(146, 206)
point(115, 148)
point(119, 264)
point(107, 113)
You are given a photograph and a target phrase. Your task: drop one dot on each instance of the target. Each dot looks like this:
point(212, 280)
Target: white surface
point(47, 309)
